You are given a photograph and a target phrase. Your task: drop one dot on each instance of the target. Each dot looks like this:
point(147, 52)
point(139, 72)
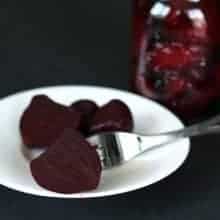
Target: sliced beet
point(70, 165)
point(87, 108)
point(114, 116)
point(44, 120)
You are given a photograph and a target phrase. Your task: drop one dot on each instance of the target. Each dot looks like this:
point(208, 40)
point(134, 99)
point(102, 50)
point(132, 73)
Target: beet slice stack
point(69, 164)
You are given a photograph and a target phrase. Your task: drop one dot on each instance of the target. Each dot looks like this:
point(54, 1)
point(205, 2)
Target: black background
point(87, 42)
point(64, 42)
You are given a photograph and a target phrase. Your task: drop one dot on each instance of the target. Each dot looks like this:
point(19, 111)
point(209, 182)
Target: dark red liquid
point(176, 53)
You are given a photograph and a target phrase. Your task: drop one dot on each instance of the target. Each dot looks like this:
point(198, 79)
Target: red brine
point(176, 53)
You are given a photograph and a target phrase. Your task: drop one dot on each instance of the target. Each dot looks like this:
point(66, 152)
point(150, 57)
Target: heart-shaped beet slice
point(44, 120)
point(70, 165)
point(87, 108)
point(114, 116)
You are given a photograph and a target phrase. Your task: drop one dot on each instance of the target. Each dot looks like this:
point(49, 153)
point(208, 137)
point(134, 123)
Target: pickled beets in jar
point(176, 53)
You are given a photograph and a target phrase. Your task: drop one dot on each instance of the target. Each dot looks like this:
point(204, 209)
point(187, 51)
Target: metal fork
point(116, 148)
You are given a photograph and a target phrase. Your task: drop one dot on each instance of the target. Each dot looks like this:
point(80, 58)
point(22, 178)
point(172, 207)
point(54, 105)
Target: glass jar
point(176, 54)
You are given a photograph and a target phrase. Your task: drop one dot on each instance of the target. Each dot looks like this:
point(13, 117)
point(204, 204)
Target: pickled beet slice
point(70, 165)
point(203, 95)
point(182, 25)
point(176, 56)
point(87, 108)
point(44, 120)
point(114, 116)
point(175, 86)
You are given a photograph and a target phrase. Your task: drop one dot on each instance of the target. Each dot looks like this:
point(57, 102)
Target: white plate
point(141, 172)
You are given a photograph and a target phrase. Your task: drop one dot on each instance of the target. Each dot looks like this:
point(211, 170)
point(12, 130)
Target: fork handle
point(203, 128)
point(210, 126)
